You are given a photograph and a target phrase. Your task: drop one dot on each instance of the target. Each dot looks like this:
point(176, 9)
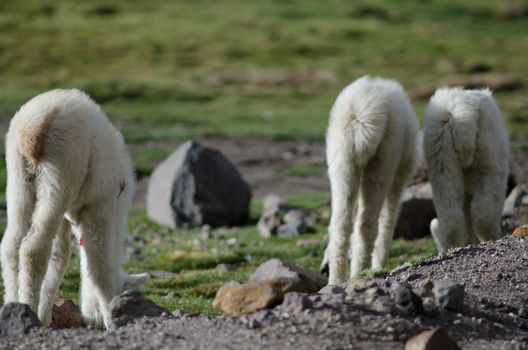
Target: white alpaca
point(68, 167)
point(467, 148)
point(370, 146)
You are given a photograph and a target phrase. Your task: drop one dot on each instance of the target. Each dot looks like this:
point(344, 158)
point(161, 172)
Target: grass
point(170, 71)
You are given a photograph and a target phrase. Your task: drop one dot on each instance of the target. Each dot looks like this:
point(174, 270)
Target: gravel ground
point(495, 276)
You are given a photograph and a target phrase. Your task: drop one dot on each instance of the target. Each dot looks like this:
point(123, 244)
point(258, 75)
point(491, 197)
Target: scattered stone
point(429, 307)
point(449, 295)
point(268, 223)
point(523, 312)
point(206, 232)
point(406, 300)
point(333, 289)
point(17, 319)
point(520, 231)
point(274, 202)
point(65, 314)
point(294, 302)
point(197, 185)
point(435, 339)
point(224, 268)
point(300, 215)
point(292, 277)
point(359, 284)
point(293, 229)
point(131, 305)
point(235, 298)
point(416, 212)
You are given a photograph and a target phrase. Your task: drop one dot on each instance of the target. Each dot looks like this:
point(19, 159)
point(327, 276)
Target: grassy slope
point(176, 70)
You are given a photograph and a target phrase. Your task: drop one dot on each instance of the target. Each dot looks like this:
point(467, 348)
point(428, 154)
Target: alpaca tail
point(31, 132)
point(451, 122)
point(358, 121)
point(134, 281)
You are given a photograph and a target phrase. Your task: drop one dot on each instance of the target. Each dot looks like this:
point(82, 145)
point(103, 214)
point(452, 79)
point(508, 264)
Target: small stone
point(163, 275)
point(523, 312)
point(17, 319)
point(206, 232)
point(406, 300)
point(435, 339)
point(273, 202)
point(520, 231)
point(429, 306)
point(359, 284)
point(333, 289)
point(293, 229)
point(231, 242)
point(449, 295)
point(131, 305)
point(225, 268)
point(292, 277)
point(268, 223)
point(295, 303)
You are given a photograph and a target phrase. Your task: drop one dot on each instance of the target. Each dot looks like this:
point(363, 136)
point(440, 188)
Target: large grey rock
point(130, 305)
point(416, 212)
point(292, 277)
point(17, 319)
point(196, 185)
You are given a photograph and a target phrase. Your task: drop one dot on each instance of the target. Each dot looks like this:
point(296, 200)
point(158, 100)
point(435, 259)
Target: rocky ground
point(368, 314)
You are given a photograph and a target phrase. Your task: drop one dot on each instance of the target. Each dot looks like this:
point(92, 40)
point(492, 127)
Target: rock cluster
point(267, 287)
point(280, 219)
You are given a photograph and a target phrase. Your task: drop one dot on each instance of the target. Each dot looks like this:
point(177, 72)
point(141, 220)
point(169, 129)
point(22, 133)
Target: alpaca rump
point(466, 146)
point(68, 169)
point(370, 147)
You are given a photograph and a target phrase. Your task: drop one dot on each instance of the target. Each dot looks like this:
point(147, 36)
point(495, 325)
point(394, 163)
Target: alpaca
point(370, 150)
point(466, 146)
point(67, 168)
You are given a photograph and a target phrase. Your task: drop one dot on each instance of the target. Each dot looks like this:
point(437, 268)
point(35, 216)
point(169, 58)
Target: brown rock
point(292, 277)
point(65, 314)
point(435, 339)
point(235, 298)
point(520, 231)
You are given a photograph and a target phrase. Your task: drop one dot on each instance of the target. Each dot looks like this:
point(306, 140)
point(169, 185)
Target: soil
point(495, 276)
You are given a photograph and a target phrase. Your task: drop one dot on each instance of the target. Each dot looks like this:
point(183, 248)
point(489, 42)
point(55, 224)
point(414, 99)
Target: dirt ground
point(495, 277)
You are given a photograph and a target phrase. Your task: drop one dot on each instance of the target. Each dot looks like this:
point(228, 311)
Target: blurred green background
point(174, 70)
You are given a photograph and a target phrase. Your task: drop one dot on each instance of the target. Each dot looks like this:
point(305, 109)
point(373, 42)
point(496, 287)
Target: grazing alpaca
point(370, 150)
point(467, 149)
point(68, 167)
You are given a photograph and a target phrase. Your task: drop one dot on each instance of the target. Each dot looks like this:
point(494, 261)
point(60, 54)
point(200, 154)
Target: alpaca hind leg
point(344, 191)
point(372, 193)
point(100, 268)
point(60, 258)
point(21, 200)
point(35, 249)
point(386, 224)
